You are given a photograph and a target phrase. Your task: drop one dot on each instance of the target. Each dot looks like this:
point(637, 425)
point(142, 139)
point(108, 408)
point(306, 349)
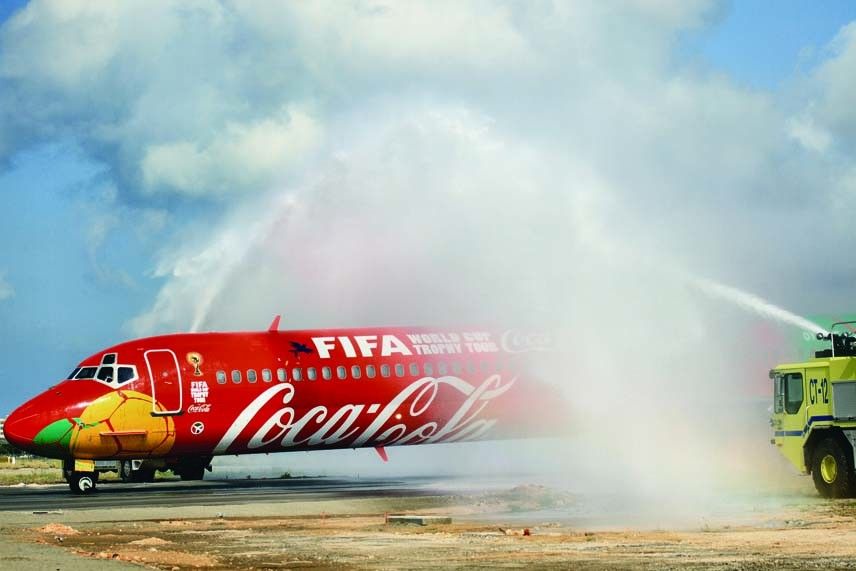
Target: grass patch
point(12, 477)
point(20, 463)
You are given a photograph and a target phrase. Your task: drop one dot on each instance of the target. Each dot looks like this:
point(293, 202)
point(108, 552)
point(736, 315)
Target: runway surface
point(214, 492)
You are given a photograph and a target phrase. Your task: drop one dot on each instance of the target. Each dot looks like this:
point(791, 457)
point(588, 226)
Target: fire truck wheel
point(82, 482)
point(831, 470)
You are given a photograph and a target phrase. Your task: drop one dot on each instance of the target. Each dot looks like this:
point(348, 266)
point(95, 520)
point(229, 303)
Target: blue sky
point(98, 213)
point(764, 43)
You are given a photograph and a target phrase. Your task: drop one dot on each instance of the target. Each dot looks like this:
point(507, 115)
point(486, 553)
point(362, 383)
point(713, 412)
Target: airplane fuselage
point(208, 394)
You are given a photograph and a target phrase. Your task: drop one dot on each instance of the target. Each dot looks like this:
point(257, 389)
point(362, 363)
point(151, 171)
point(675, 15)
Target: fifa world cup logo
point(195, 359)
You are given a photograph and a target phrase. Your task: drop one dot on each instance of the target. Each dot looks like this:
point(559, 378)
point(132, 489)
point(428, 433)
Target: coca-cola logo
point(403, 420)
point(514, 341)
point(205, 407)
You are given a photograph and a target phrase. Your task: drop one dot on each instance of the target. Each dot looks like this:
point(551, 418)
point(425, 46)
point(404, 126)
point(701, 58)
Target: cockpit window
point(126, 374)
point(105, 374)
point(86, 373)
point(113, 374)
point(109, 359)
point(73, 373)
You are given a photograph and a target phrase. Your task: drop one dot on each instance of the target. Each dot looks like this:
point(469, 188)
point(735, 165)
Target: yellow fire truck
point(814, 413)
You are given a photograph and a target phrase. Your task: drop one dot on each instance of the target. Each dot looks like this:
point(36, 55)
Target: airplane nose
point(21, 427)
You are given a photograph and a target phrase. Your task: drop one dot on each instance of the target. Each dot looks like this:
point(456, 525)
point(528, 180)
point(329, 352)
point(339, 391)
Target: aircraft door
point(165, 377)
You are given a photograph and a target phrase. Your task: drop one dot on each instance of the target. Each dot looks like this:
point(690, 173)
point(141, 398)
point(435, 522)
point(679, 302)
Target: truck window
point(778, 394)
point(793, 392)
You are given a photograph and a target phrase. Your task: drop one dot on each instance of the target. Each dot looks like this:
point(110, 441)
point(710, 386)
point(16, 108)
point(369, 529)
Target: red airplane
point(173, 402)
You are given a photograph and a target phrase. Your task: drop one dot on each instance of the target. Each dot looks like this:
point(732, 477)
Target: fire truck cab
point(814, 413)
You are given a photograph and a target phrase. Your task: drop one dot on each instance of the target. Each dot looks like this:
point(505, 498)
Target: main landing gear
point(192, 468)
point(128, 472)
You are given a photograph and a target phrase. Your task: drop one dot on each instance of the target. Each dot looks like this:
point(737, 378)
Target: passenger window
point(341, 372)
point(327, 373)
point(371, 372)
point(485, 367)
point(793, 392)
point(105, 374)
point(429, 370)
point(442, 370)
point(126, 374)
point(471, 367)
point(456, 368)
point(414, 370)
point(251, 376)
point(236, 377)
point(384, 371)
point(356, 372)
point(281, 376)
point(221, 377)
point(311, 374)
point(266, 376)
point(399, 370)
point(297, 374)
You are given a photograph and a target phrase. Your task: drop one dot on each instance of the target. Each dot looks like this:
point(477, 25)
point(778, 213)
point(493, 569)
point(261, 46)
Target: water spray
point(755, 304)
point(231, 249)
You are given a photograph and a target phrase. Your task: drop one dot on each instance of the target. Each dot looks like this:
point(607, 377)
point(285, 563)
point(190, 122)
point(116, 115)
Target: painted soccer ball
point(98, 431)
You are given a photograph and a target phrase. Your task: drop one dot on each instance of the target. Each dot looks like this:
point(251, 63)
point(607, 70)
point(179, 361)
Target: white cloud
point(809, 134)
point(65, 44)
point(225, 97)
point(424, 35)
point(241, 156)
point(837, 78)
point(6, 289)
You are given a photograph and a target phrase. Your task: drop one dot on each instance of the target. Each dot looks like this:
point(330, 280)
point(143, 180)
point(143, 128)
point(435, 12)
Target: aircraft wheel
point(830, 470)
point(126, 470)
point(82, 482)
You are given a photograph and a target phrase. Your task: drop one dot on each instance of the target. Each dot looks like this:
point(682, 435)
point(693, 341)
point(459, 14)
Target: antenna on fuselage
point(274, 325)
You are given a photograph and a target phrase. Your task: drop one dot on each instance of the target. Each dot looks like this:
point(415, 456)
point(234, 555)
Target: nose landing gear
point(83, 482)
point(81, 475)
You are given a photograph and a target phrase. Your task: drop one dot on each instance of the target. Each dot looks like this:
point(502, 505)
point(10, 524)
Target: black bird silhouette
point(298, 348)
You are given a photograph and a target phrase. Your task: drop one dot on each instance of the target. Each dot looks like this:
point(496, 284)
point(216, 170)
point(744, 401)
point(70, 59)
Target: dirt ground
point(800, 533)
